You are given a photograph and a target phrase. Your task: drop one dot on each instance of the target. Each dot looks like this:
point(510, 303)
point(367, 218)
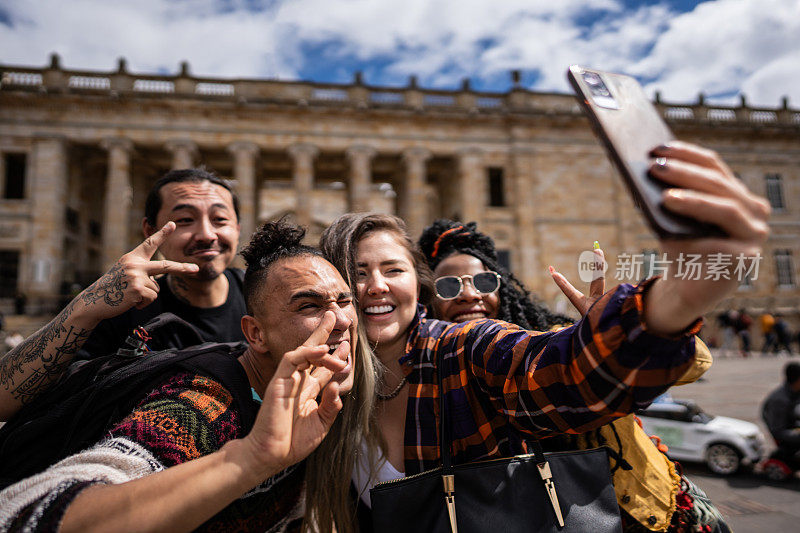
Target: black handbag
point(562, 492)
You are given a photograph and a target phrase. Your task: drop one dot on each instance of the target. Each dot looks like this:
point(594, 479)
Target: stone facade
point(525, 165)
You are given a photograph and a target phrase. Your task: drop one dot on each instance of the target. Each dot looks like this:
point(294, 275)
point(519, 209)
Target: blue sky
point(719, 47)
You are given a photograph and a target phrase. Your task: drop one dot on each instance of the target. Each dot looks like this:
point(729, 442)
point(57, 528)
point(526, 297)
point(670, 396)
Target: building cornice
point(517, 102)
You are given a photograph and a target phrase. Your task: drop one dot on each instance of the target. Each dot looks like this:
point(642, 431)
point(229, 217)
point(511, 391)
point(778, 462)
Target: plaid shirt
point(505, 385)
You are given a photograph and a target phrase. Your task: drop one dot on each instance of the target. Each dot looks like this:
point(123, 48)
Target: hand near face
point(707, 191)
point(130, 282)
point(291, 423)
point(582, 302)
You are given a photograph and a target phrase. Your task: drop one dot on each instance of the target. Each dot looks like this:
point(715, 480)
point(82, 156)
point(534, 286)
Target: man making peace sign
point(204, 292)
point(206, 214)
point(38, 361)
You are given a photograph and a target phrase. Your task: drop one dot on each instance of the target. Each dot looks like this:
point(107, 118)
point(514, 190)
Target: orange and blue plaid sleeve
point(504, 384)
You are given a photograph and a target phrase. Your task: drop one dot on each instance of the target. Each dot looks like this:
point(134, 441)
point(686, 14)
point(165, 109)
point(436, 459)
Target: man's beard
point(208, 272)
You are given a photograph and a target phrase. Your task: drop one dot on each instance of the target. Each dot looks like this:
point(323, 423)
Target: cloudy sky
point(680, 47)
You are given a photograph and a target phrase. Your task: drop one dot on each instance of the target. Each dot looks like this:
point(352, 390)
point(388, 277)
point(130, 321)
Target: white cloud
point(728, 46)
point(721, 47)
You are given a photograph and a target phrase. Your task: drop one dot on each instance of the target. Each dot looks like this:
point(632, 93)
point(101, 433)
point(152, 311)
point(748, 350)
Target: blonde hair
point(329, 468)
point(329, 506)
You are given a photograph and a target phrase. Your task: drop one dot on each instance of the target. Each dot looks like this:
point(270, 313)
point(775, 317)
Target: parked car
point(724, 444)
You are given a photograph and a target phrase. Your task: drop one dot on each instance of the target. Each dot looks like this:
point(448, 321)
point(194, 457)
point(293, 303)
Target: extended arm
point(289, 425)
point(578, 378)
point(37, 362)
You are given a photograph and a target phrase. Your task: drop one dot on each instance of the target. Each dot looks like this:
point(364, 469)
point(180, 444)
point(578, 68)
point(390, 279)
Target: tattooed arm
point(37, 362)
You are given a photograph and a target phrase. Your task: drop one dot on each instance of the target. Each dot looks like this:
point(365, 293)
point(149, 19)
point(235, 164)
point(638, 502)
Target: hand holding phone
point(690, 197)
point(629, 127)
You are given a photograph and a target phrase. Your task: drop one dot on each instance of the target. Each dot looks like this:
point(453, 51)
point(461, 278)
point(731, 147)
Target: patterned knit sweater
point(185, 417)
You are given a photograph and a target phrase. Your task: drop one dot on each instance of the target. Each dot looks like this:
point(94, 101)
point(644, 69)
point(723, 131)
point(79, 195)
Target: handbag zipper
point(412, 476)
point(550, 487)
point(449, 483)
point(438, 468)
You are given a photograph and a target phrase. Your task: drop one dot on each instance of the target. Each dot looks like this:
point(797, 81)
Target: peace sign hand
point(130, 282)
point(597, 287)
point(300, 403)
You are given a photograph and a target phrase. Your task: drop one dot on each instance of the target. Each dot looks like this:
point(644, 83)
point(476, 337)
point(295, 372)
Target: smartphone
point(629, 126)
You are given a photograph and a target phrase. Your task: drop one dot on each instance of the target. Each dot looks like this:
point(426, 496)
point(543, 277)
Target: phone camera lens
point(596, 84)
point(592, 79)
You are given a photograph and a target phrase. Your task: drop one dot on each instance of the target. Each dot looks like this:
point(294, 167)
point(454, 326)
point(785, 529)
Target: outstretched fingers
point(147, 249)
point(598, 284)
point(323, 330)
point(149, 246)
point(155, 268)
point(575, 297)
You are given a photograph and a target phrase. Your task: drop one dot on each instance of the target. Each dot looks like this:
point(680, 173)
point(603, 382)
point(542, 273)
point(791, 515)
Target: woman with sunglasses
point(470, 284)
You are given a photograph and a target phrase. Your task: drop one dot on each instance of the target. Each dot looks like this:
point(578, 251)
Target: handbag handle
point(445, 448)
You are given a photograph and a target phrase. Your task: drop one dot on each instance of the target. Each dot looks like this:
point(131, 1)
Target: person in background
point(767, 323)
point(742, 329)
point(783, 337)
point(727, 322)
point(781, 413)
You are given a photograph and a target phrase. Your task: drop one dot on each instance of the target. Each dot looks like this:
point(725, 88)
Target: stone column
point(245, 155)
point(526, 262)
point(48, 192)
point(358, 191)
point(471, 185)
point(184, 152)
point(117, 204)
point(413, 202)
point(303, 155)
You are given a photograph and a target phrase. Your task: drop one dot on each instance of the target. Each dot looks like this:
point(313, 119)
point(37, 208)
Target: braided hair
point(272, 241)
point(445, 237)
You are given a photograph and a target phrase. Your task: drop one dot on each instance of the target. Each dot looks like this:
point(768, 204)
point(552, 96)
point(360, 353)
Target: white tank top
point(361, 478)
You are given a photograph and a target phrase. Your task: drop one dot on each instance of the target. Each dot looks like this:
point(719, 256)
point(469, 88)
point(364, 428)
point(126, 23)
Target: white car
point(723, 444)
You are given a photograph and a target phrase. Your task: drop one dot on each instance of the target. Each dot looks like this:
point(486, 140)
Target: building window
point(72, 218)
point(15, 177)
point(95, 230)
point(497, 195)
point(784, 268)
point(504, 259)
point(775, 191)
point(9, 273)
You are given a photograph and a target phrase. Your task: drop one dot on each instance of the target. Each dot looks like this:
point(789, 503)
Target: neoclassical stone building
point(79, 150)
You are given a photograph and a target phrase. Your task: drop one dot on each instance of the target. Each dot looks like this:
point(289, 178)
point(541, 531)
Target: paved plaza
point(735, 387)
